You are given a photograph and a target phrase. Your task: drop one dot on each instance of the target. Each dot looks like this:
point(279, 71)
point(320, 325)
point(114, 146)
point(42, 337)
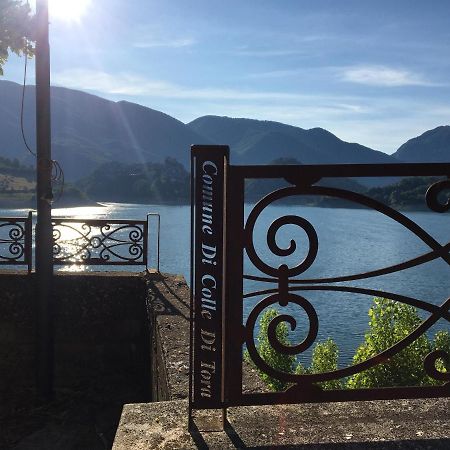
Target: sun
point(68, 10)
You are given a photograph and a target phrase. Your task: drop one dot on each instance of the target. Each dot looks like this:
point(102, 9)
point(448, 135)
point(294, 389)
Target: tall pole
point(44, 239)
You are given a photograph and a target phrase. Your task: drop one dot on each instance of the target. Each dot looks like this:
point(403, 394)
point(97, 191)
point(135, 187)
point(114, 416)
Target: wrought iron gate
point(223, 237)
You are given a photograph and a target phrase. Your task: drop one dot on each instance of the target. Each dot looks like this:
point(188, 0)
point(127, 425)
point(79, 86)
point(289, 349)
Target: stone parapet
point(375, 425)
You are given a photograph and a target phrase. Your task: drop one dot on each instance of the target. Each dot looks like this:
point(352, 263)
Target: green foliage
point(150, 182)
point(324, 359)
point(389, 323)
point(441, 341)
point(408, 193)
point(283, 363)
point(15, 168)
point(16, 29)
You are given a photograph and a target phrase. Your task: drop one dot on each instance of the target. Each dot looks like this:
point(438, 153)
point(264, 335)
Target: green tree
point(279, 361)
point(324, 359)
point(441, 341)
point(389, 323)
point(16, 29)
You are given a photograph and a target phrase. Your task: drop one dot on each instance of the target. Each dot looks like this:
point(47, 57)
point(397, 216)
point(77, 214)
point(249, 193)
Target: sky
point(372, 72)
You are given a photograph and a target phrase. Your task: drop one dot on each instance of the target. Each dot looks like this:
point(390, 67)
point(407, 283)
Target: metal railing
point(96, 242)
point(16, 241)
point(224, 246)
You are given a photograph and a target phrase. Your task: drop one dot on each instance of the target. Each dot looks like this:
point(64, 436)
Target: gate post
point(208, 189)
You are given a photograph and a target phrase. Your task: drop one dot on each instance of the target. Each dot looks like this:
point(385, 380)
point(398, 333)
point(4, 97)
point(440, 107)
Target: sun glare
point(68, 10)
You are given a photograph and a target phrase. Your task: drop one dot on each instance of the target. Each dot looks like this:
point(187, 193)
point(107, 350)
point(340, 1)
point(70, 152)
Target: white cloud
point(382, 76)
point(382, 122)
point(135, 85)
point(168, 43)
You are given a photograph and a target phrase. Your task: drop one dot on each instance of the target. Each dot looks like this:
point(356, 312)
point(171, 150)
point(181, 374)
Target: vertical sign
point(208, 177)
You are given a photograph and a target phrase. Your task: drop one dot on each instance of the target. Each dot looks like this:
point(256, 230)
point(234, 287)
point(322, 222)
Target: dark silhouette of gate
point(223, 237)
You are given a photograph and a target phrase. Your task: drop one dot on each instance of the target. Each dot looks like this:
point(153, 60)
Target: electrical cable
point(58, 177)
point(25, 53)
point(57, 171)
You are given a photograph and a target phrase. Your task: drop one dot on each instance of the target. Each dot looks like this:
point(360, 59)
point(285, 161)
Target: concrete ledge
point(168, 309)
point(399, 424)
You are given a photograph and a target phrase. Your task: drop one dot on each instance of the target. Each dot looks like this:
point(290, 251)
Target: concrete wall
point(101, 328)
point(111, 327)
point(168, 306)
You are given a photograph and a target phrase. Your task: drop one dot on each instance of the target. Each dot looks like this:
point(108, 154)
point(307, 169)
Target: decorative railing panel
point(286, 284)
point(82, 241)
point(15, 241)
point(99, 242)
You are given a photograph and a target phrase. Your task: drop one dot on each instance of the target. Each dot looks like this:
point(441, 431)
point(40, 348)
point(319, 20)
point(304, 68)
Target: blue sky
point(373, 72)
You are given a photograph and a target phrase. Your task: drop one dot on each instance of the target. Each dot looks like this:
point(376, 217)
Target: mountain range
point(88, 131)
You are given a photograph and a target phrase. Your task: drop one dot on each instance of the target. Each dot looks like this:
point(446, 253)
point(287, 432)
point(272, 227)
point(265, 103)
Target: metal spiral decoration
point(432, 196)
point(284, 295)
point(12, 241)
point(100, 242)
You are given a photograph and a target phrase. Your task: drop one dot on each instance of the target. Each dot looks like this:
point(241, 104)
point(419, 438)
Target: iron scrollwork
point(99, 242)
point(15, 240)
point(288, 287)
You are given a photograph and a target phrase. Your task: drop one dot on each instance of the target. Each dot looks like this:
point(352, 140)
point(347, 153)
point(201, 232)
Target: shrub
point(279, 361)
point(389, 323)
point(324, 359)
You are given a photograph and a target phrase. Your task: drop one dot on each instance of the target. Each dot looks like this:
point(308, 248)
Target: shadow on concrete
point(197, 437)
point(175, 294)
point(413, 444)
point(162, 306)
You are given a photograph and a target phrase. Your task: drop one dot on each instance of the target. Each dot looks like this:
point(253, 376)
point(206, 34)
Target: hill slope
point(259, 142)
point(89, 130)
point(431, 146)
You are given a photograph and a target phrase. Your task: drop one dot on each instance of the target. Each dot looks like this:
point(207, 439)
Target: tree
point(279, 361)
point(16, 30)
point(389, 323)
point(324, 359)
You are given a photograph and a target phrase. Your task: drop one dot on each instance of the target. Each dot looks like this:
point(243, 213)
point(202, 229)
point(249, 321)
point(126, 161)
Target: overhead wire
point(57, 171)
point(25, 53)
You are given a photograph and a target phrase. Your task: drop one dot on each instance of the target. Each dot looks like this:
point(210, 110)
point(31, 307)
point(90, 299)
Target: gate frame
point(302, 177)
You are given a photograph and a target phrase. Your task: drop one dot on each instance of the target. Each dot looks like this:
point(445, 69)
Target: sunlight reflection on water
point(85, 212)
point(69, 239)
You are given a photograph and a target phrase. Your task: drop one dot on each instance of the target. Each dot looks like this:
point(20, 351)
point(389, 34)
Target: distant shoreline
point(27, 204)
point(14, 206)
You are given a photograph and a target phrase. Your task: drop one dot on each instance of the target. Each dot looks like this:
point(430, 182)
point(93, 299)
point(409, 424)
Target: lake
point(350, 241)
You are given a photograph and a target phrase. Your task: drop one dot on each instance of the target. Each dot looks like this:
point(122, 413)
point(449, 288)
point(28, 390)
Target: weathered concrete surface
point(168, 306)
point(168, 309)
point(102, 359)
point(100, 326)
point(399, 424)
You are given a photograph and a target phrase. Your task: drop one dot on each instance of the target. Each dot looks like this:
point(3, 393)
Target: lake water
point(350, 241)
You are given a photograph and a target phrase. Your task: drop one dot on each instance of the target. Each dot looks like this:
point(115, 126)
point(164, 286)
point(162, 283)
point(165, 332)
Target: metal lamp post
point(44, 238)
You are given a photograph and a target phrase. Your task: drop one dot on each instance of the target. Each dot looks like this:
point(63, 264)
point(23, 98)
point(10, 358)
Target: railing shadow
point(237, 442)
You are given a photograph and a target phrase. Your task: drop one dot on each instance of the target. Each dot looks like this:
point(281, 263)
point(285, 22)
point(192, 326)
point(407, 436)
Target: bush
point(324, 359)
point(389, 323)
point(279, 361)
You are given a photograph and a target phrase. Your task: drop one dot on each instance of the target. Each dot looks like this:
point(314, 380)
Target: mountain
point(259, 142)
point(89, 130)
point(431, 146)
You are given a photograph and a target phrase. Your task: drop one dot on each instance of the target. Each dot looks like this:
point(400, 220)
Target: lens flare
point(68, 10)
